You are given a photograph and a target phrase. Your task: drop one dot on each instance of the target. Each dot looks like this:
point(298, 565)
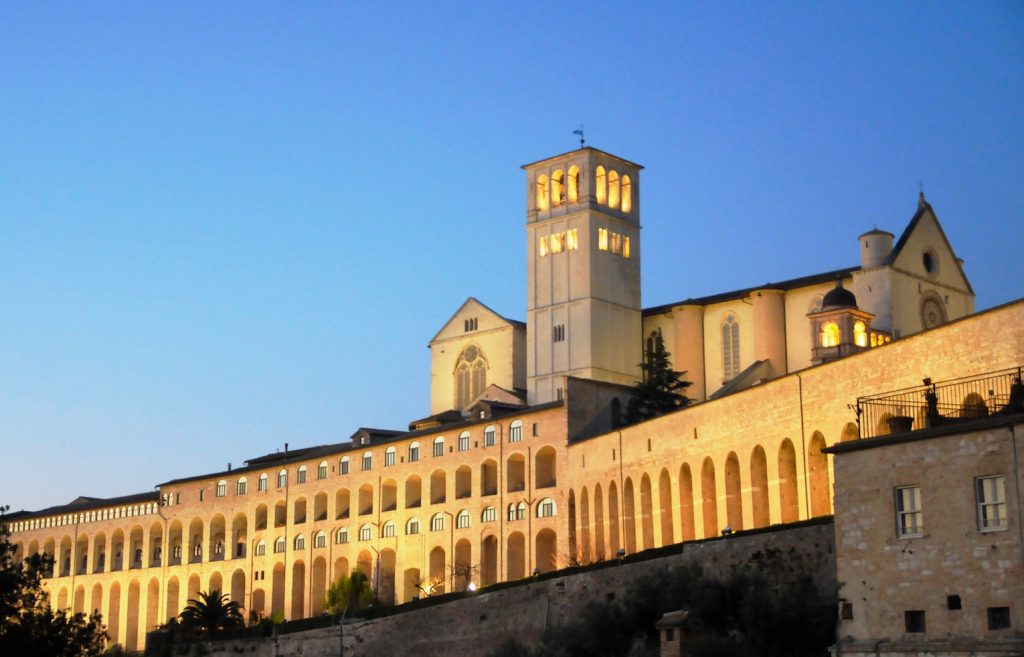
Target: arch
point(584, 557)
point(463, 482)
point(192, 592)
point(259, 603)
point(665, 507)
point(759, 505)
point(730, 347)
point(860, 334)
point(132, 635)
point(320, 506)
point(364, 563)
point(412, 526)
point(438, 485)
point(173, 604)
point(573, 184)
point(340, 568)
point(462, 569)
point(412, 584)
point(541, 193)
point(65, 554)
point(545, 463)
point(646, 512)
point(489, 477)
point(239, 534)
point(436, 573)
point(238, 587)
point(299, 511)
point(613, 188)
point(152, 605)
point(557, 188)
point(342, 504)
point(817, 464)
point(318, 586)
point(386, 565)
point(850, 432)
point(261, 517)
point(830, 336)
point(96, 598)
point(488, 560)
point(366, 499)
point(388, 495)
point(628, 516)
point(113, 617)
point(134, 552)
point(298, 590)
point(82, 555)
point(99, 553)
point(973, 406)
point(216, 583)
point(62, 598)
point(463, 520)
point(614, 540)
point(515, 473)
point(686, 522)
point(216, 543)
point(277, 583)
point(413, 492)
point(788, 502)
point(627, 194)
point(546, 550)
point(600, 185)
point(574, 556)
point(709, 498)
point(598, 524)
point(516, 556)
point(733, 493)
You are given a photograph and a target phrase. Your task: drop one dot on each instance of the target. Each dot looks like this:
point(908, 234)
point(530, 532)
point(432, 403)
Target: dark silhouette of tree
point(660, 389)
point(211, 612)
point(28, 627)
point(349, 593)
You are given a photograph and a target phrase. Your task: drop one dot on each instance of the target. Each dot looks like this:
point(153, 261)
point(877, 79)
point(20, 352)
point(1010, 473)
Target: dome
point(839, 297)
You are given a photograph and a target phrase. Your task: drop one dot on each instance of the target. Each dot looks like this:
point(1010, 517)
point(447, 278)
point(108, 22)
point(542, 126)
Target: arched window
point(600, 184)
point(462, 520)
point(730, 347)
point(414, 452)
point(437, 522)
point(300, 542)
point(343, 465)
point(557, 188)
point(830, 334)
point(546, 508)
point(463, 441)
point(627, 195)
point(367, 460)
point(388, 530)
point(490, 514)
point(365, 533)
point(222, 488)
point(439, 446)
point(413, 526)
point(573, 183)
point(613, 189)
point(320, 539)
point(301, 479)
point(542, 192)
point(389, 457)
point(521, 511)
point(282, 478)
point(261, 550)
point(470, 376)
point(241, 486)
point(515, 431)
point(860, 334)
point(342, 536)
point(321, 470)
point(489, 436)
point(279, 544)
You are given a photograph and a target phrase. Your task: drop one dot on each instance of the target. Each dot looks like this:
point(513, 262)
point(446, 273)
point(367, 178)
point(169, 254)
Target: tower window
point(860, 334)
point(469, 325)
point(627, 194)
point(600, 185)
point(558, 333)
point(542, 192)
point(613, 189)
point(730, 348)
point(830, 334)
point(558, 188)
point(574, 184)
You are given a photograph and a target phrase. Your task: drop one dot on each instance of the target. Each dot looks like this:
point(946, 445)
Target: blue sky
point(224, 227)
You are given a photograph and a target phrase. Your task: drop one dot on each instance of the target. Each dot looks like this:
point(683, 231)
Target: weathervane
point(579, 131)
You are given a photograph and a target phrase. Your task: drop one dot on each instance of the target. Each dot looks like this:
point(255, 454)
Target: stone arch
point(175, 543)
point(342, 504)
point(574, 556)
point(438, 486)
point(216, 583)
point(488, 560)
point(733, 493)
point(463, 482)
point(277, 583)
point(614, 537)
point(462, 565)
point(515, 473)
point(318, 586)
point(411, 584)
point(299, 510)
point(598, 524)
point(152, 605)
point(709, 498)
point(817, 463)
point(340, 567)
point(413, 492)
point(584, 526)
point(788, 502)
point(113, 617)
point(516, 556)
point(298, 590)
point(156, 542)
point(240, 533)
point(386, 565)
point(546, 550)
point(686, 503)
point(629, 516)
point(366, 499)
point(79, 605)
point(489, 477)
point(131, 640)
point(173, 605)
point(850, 432)
point(646, 512)
point(364, 563)
point(215, 549)
point(238, 587)
point(388, 495)
point(437, 568)
point(62, 598)
point(259, 602)
point(96, 598)
point(194, 585)
point(320, 506)
point(99, 553)
point(545, 465)
point(759, 488)
point(665, 507)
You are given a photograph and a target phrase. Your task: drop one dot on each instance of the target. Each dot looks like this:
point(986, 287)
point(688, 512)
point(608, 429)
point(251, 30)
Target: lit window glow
point(830, 335)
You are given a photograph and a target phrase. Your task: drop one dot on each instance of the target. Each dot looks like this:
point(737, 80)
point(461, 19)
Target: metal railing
point(943, 403)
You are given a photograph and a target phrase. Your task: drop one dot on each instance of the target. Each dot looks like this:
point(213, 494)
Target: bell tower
point(583, 271)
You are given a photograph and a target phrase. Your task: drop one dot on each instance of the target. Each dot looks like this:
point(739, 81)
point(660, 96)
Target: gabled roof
point(584, 148)
point(923, 208)
point(88, 503)
point(468, 302)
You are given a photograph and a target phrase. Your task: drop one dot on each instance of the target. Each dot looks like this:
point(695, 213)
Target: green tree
point(211, 612)
point(349, 593)
point(660, 389)
point(28, 626)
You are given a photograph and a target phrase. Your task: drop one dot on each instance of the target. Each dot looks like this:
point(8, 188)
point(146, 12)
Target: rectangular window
point(302, 476)
point(439, 448)
point(991, 495)
point(602, 239)
point(344, 466)
point(222, 489)
point(909, 518)
point(367, 462)
point(202, 495)
point(998, 618)
point(489, 437)
point(414, 454)
point(389, 459)
point(242, 487)
point(515, 433)
point(464, 442)
point(558, 333)
point(321, 471)
point(282, 479)
point(914, 621)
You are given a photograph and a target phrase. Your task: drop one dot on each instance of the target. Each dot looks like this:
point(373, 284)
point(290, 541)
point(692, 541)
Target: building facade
point(524, 465)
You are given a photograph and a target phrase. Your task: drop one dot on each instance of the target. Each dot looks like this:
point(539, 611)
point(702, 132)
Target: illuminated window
point(627, 194)
point(613, 189)
point(600, 184)
point(343, 465)
point(616, 244)
point(389, 457)
point(574, 184)
point(490, 514)
point(991, 494)
point(367, 461)
point(302, 474)
point(730, 348)
point(602, 239)
point(222, 488)
point(413, 526)
point(342, 536)
point(572, 239)
point(388, 530)
point(439, 446)
point(557, 188)
point(557, 241)
point(874, 340)
point(542, 246)
point(282, 478)
point(489, 436)
point(414, 452)
point(909, 518)
point(365, 533)
point(515, 432)
point(625, 246)
point(437, 523)
point(320, 540)
point(860, 334)
point(241, 486)
point(830, 334)
point(542, 192)
point(546, 508)
point(463, 441)
point(462, 520)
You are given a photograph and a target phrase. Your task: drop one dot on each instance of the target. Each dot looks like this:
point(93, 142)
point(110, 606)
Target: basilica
point(526, 463)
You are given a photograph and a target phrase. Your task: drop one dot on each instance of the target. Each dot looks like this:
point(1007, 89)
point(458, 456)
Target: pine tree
point(661, 388)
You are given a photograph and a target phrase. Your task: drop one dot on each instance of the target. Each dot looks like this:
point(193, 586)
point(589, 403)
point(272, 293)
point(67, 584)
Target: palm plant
point(212, 611)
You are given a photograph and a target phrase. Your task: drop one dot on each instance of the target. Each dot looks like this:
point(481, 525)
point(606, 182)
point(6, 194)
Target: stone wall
point(474, 626)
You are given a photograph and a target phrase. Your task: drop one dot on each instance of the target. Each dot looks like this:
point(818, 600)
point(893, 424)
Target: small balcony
point(942, 403)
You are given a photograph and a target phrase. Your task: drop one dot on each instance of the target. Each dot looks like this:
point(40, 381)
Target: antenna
point(579, 131)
